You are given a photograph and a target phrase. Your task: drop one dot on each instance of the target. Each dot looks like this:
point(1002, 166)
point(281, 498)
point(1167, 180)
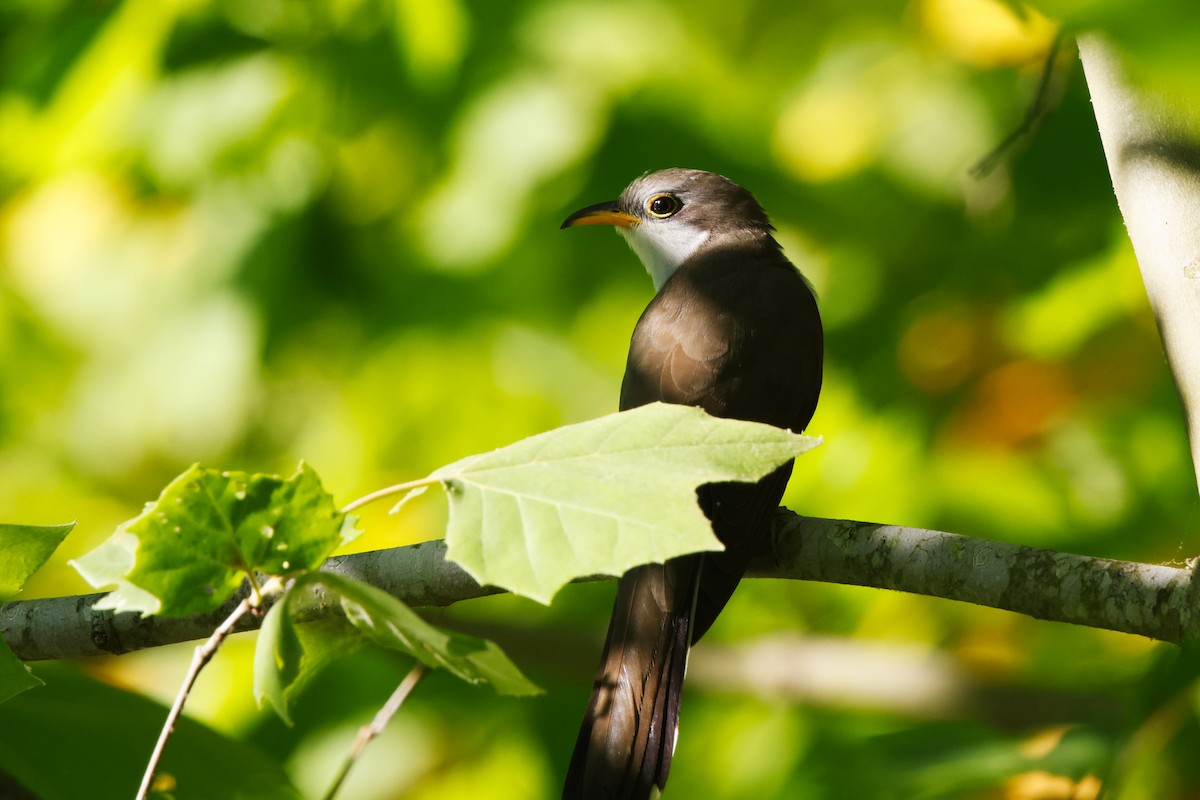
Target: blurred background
point(249, 233)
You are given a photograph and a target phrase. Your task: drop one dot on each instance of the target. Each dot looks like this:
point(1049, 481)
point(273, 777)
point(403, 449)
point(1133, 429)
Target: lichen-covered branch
point(1143, 599)
point(67, 627)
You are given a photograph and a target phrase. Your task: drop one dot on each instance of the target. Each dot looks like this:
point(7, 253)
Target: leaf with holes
point(189, 550)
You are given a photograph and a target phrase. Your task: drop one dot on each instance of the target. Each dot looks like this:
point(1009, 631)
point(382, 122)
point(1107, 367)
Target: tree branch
point(1145, 599)
point(1153, 153)
point(1148, 600)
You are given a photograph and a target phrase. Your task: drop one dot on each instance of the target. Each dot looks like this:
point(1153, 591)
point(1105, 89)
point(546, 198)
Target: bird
point(734, 329)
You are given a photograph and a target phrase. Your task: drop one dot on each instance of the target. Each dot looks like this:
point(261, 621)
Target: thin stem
point(200, 658)
point(256, 591)
point(1035, 114)
point(368, 732)
point(388, 492)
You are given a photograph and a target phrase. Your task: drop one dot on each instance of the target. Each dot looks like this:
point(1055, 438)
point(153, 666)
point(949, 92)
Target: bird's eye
point(663, 205)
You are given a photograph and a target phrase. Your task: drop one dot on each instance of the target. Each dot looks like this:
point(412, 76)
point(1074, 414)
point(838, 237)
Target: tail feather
point(628, 734)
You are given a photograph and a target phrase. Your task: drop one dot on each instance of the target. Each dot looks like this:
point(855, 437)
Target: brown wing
point(740, 340)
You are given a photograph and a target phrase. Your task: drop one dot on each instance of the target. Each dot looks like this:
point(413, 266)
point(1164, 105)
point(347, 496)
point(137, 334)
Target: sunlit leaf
point(25, 549)
point(601, 496)
point(189, 550)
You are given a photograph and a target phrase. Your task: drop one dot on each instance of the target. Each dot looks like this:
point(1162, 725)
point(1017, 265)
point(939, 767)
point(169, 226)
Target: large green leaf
point(106, 734)
point(25, 549)
point(601, 496)
point(189, 550)
point(285, 657)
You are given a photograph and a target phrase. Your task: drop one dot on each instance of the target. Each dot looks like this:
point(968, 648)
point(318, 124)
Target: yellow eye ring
point(663, 205)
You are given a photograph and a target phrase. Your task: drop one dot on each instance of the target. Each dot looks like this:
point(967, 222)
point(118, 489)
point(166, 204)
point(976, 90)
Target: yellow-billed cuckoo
point(733, 328)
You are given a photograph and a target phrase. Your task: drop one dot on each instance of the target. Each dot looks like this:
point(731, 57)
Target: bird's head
point(669, 215)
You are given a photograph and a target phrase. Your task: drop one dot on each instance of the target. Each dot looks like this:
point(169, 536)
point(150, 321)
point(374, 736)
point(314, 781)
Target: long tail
point(628, 734)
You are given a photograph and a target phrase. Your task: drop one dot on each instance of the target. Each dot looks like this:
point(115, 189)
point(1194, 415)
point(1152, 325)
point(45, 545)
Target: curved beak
point(601, 214)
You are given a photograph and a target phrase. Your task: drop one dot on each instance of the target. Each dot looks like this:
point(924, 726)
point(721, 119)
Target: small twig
point(1034, 115)
point(368, 732)
point(389, 491)
point(200, 658)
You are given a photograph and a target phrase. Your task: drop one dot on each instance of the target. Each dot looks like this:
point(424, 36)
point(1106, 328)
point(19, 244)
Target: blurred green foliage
point(250, 233)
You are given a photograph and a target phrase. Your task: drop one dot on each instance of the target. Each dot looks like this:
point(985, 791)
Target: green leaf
point(15, 676)
point(601, 496)
point(189, 550)
point(277, 658)
point(288, 654)
point(389, 622)
point(286, 658)
point(108, 733)
point(25, 549)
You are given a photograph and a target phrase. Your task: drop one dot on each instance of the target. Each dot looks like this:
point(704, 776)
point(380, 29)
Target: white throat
point(663, 246)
